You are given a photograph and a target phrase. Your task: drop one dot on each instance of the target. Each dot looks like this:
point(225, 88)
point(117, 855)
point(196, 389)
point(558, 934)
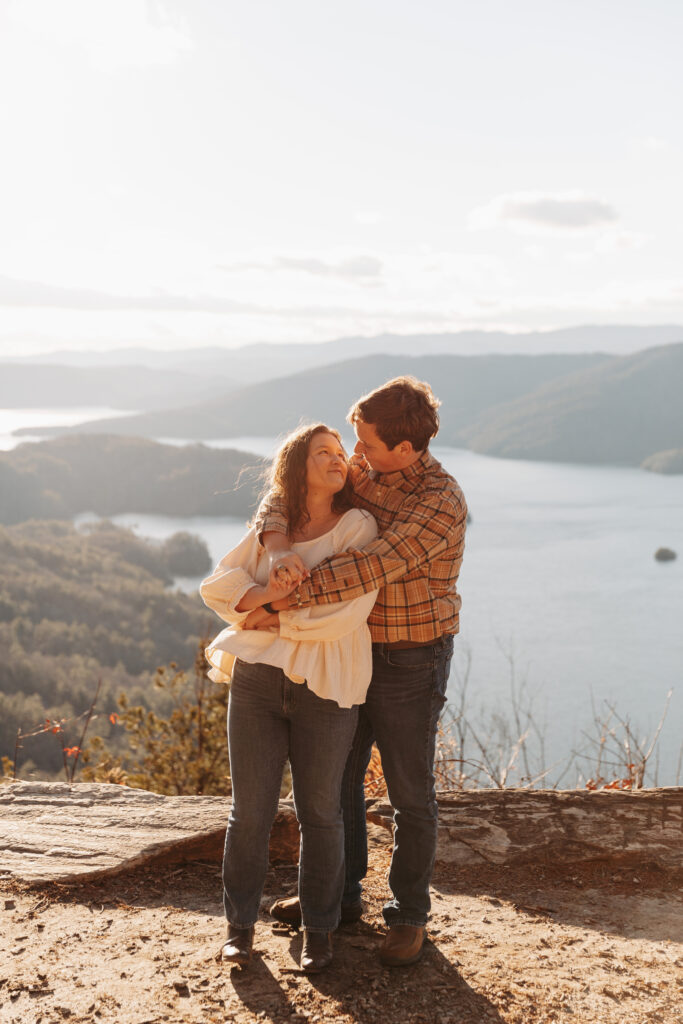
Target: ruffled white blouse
point(327, 645)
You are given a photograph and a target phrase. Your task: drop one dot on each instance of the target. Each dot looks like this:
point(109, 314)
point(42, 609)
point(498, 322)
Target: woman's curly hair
point(288, 475)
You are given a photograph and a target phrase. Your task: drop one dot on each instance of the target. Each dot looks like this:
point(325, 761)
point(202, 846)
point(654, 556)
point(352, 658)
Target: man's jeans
point(401, 713)
point(270, 718)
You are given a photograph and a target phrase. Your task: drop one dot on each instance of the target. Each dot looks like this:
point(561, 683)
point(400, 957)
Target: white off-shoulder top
point(327, 646)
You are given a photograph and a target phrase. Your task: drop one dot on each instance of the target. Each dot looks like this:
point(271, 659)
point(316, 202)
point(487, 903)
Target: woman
point(296, 685)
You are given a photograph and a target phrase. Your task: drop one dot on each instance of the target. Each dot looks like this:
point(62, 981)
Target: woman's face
point(326, 466)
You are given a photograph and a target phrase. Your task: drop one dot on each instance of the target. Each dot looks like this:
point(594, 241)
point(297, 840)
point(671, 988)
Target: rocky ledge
point(50, 831)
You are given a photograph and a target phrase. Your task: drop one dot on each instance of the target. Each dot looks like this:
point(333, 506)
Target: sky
point(210, 172)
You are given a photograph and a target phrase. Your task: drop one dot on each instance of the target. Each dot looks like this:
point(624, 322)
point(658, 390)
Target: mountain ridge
point(246, 362)
point(466, 385)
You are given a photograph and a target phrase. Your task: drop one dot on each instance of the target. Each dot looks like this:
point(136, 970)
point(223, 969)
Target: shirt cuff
point(236, 598)
point(301, 597)
point(288, 627)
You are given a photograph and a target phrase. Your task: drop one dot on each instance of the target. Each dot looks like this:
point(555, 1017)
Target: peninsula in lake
point(108, 475)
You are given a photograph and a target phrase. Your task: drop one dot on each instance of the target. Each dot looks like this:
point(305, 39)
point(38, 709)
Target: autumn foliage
point(184, 752)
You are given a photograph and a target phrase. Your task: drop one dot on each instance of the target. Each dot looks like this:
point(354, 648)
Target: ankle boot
point(237, 950)
point(316, 954)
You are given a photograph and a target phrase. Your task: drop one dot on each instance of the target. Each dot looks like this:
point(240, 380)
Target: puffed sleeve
point(231, 579)
point(331, 622)
point(271, 516)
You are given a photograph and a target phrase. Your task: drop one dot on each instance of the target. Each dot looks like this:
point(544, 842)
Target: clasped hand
point(287, 568)
point(260, 617)
point(287, 571)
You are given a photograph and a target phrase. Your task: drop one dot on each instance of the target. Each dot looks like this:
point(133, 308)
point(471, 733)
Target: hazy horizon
point(196, 175)
point(617, 339)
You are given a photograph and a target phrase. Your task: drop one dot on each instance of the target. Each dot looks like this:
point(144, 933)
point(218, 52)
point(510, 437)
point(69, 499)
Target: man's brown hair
point(403, 409)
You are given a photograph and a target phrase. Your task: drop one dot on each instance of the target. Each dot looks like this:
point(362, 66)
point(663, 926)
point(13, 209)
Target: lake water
point(560, 581)
point(18, 419)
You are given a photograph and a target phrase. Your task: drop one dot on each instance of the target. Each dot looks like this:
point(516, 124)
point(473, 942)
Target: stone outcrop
point(50, 831)
point(56, 832)
point(516, 826)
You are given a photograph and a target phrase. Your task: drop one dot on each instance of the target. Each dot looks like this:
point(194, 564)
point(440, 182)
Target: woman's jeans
point(270, 718)
point(401, 713)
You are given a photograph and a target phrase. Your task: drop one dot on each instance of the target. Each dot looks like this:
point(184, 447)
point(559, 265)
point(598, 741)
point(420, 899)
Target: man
point(415, 560)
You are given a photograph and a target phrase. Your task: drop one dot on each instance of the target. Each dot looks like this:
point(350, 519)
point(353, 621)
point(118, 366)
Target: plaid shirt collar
point(405, 479)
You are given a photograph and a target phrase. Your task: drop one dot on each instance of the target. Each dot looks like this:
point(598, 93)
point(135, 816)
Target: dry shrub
point(375, 784)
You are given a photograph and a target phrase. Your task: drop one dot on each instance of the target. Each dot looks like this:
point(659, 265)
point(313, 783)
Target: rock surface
point(517, 826)
point(50, 831)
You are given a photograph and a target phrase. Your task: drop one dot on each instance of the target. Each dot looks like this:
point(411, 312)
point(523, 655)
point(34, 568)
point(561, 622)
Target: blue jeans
point(401, 713)
point(270, 718)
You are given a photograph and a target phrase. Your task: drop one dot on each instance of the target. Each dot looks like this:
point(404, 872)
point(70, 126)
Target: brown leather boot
point(237, 950)
point(402, 945)
point(316, 954)
point(288, 911)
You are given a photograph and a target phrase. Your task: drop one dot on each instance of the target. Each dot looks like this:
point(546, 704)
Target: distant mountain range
point(468, 386)
point(250, 363)
point(584, 407)
point(30, 386)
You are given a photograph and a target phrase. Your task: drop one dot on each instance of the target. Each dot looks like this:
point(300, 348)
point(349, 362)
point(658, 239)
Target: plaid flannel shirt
point(415, 560)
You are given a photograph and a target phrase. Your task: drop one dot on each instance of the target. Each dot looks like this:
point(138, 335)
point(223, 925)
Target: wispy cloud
point(652, 144)
point(39, 294)
point(563, 211)
point(368, 218)
point(619, 241)
point(110, 35)
point(358, 269)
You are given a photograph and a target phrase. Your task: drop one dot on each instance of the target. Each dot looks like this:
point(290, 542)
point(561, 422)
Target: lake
point(560, 586)
point(17, 419)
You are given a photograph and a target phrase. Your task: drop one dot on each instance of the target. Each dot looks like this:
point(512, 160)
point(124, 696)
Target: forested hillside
point(80, 605)
point(620, 412)
point(110, 475)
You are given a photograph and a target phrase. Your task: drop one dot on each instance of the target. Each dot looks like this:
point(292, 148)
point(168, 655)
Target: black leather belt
point(405, 645)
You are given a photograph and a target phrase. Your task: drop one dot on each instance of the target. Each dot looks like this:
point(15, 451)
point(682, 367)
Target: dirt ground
point(594, 945)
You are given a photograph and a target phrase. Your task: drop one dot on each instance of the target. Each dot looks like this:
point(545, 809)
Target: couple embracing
point(342, 607)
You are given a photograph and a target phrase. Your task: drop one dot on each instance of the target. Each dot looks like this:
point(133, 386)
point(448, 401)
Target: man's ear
point(405, 448)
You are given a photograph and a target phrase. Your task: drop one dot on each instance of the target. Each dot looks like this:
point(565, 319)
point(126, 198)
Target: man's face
point(376, 453)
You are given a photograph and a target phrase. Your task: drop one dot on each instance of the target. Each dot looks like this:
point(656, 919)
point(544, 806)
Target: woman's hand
point(260, 619)
point(286, 568)
point(278, 588)
point(258, 595)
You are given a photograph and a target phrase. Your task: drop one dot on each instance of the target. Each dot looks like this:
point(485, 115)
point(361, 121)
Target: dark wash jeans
point(270, 719)
point(401, 713)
